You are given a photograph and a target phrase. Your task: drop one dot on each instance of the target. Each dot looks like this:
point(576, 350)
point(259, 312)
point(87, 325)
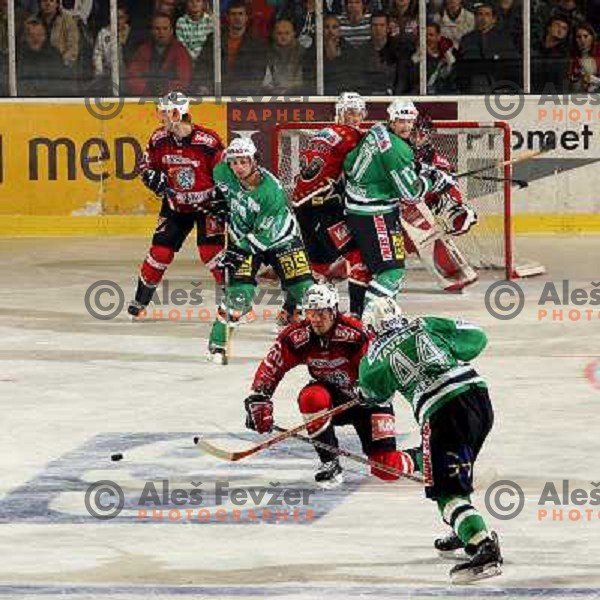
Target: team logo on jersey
point(185, 178)
point(300, 336)
point(204, 138)
point(339, 234)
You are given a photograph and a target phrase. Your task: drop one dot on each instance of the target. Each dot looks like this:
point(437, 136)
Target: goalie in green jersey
point(261, 230)
point(426, 360)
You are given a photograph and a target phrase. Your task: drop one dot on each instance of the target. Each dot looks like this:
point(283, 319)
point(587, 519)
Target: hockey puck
point(116, 457)
point(196, 439)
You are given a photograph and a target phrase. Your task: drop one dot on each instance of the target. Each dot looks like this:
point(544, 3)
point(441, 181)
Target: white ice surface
point(74, 389)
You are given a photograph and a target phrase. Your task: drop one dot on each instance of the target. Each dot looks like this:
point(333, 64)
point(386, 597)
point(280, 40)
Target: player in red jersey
point(330, 345)
point(177, 166)
point(318, 204)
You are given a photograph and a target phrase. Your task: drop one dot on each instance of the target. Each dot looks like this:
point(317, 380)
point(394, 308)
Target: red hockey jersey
point(188, 164)
point(333, 358)
point(321, 162)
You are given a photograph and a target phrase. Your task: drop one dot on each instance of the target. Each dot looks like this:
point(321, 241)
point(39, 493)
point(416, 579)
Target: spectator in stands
point(40, 69)
point(487, 55)
point(510, 18)
point(455, 21)
point(404, 17)
point(242, 57)
point(102, 58)
point(161, 63)
point(584, 67)
point(355, 23)
point(284, 73)
point(195, 26)
point(376, 76)
point(64, 32)
point(440, 61)
point(78, 9)
point(302, 14)
point(339, 59)
point(568, 8)
point(550, 59)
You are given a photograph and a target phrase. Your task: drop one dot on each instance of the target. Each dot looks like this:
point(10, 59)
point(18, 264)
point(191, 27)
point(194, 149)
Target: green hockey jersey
point(426, 361)
point(259, 219)
point(379, 171)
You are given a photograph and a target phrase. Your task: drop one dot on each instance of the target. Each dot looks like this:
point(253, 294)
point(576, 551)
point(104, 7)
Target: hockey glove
point(369, 402)
point(155, 180)
point(259, 413)
point(440, 181)
point(231, 259)
point(218, 206)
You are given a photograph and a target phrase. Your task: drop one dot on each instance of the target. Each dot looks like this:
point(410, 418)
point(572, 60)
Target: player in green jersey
point(426, 360)
point(261, 229)
point(380, 172)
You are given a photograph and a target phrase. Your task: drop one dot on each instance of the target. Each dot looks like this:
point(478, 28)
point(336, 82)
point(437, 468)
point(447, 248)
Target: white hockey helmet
point(175, 106)
point(319, 296)
point(402, 109)
point(383, 314)
point(240, 147)
point(350, 101)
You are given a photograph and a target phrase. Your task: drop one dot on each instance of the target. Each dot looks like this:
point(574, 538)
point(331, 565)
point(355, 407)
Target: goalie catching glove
point(456, 217)
point(259, 413)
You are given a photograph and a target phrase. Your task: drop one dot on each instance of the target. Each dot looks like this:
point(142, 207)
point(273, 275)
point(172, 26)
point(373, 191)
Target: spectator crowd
point(65, 47)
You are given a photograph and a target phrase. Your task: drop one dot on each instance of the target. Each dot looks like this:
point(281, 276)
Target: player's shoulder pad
point(381, 134)
point(296, 335)
point(330, 135)
point(350, 330)
point(202, 136)
point(158, 137)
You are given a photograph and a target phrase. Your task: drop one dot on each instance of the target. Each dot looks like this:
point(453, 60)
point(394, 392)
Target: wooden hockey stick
point(513, 161)
point(352, 456)
point(275, 439)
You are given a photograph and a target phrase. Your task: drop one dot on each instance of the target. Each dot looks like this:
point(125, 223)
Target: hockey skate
point(217, 354)
point(134, 309)
point(329, 475)
point(450, 546)
point(485, 562)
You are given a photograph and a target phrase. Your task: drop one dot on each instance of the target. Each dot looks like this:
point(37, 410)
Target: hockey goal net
point(468, 146)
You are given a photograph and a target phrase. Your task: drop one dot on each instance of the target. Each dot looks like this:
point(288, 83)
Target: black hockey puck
point(116, 457)
point(196, 438)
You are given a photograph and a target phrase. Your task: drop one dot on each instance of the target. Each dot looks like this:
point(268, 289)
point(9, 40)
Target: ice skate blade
point(332, 483)
point(476, 574)
point(218, 358)
point(458, 554)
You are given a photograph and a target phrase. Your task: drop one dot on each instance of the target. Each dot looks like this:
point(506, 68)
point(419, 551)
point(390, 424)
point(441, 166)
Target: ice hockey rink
point(76, 389)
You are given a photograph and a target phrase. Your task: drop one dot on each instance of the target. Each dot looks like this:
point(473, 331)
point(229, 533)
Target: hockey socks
point(464, 518)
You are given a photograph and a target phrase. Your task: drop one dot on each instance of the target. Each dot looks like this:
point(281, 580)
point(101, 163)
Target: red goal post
point(467, 145)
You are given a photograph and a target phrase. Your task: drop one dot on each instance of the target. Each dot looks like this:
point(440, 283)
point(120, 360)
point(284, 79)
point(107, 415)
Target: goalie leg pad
point(155, 264)
point(438, 252)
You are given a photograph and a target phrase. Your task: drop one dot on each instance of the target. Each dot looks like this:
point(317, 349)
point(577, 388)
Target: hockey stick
point(513, 161)
point(521, 183)
point(275, 439)
point(351, 455)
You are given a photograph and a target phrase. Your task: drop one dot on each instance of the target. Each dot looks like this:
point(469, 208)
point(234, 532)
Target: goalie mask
point(350, 102)
point(174, 108)
point(382, 315)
